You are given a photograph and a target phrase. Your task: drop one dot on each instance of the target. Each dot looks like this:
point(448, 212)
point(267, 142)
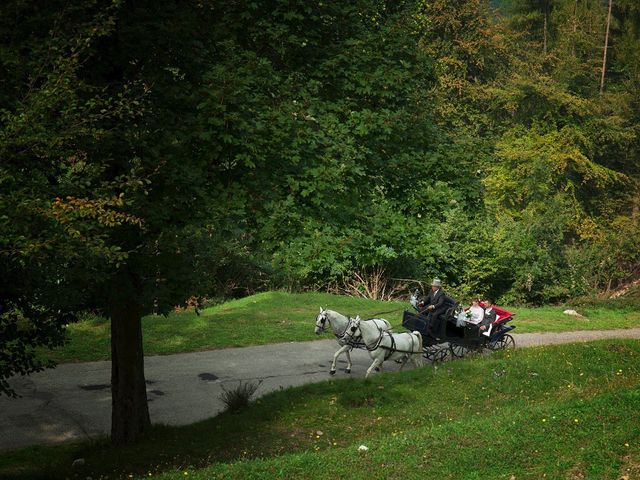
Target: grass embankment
point(553, 412)
point(282, 317)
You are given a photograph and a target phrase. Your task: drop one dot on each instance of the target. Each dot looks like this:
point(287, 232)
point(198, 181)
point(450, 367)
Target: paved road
point(73, 401)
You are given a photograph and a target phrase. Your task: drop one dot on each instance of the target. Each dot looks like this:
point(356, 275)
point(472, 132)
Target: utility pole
point(606, 47)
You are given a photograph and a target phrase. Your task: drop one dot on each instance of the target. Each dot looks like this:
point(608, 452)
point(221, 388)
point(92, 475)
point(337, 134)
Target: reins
point(388, 311)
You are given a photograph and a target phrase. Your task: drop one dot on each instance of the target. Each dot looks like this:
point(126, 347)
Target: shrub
point(237, 398)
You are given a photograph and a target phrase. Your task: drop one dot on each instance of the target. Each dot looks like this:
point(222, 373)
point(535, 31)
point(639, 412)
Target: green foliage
point(53, 234)
point(564, 171)
point(332, 152)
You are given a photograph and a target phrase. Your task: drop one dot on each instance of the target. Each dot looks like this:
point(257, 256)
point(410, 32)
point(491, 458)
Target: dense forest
point(155, 151)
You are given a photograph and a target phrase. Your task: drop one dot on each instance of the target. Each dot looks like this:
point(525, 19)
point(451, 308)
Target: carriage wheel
point(507, 342)
point(429, 354)
point(443, 354)
point(458, 351)
point(435, 354)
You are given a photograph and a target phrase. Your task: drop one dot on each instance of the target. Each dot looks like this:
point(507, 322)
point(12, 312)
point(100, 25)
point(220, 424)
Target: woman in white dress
point(476, 312)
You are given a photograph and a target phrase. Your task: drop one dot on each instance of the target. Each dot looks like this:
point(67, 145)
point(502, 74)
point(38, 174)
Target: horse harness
point(389, 350)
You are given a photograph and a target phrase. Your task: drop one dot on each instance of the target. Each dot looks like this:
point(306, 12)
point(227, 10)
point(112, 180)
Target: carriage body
point(456, 341)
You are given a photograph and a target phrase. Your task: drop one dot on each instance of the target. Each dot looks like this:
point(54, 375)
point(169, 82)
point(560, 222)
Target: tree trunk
point(575, 28)
point(606, 47)
point(544, 48)
point(129, 407)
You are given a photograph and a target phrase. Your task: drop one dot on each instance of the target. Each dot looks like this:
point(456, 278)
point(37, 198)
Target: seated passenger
point(489, 317)
point(475, 312)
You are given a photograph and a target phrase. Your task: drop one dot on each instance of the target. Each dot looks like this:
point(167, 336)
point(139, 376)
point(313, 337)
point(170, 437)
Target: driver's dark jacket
point(439, 300)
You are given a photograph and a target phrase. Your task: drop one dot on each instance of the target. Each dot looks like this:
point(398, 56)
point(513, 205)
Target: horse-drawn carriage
point(375, 335)
point(455, 338)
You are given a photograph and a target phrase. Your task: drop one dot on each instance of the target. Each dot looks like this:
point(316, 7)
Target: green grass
point(551, 319)
point(282, 317)
point(552, 412)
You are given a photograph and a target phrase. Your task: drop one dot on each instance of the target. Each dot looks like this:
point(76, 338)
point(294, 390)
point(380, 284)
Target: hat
point(436, 282)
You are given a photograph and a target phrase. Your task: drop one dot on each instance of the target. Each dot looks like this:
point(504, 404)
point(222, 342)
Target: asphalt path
point(73, 401)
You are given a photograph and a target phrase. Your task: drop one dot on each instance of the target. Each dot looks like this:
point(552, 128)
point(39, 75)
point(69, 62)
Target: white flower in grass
point(363, 448)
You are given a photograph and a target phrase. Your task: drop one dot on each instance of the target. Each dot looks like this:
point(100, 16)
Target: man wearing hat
point(434, 304)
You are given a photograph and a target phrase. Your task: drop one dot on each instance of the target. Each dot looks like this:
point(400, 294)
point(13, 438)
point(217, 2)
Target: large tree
point(105, 195)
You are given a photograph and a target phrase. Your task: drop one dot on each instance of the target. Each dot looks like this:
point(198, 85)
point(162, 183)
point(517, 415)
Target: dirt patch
point(630, 469)
point(618, 347)
point(576, 472)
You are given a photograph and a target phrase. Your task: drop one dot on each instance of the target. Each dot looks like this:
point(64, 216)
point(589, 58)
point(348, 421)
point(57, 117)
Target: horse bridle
point(350, 328)
point(323, 325)
point(324, 319)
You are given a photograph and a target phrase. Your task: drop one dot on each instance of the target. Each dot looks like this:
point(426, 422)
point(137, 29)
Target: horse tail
point(417, 359)
point(415, 332)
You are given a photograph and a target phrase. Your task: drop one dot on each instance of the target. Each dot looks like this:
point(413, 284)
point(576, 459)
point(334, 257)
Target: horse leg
point(377, 363)
point(349, 364)
point(404, 361)
point(345, 348)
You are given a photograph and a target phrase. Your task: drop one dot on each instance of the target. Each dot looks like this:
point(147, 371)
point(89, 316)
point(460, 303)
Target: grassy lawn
point(282, 317)
point(557, 412)
point(551, 319)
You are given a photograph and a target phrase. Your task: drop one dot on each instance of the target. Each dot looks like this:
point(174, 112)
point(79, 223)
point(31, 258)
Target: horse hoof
point(348, 370)
point(332, 372)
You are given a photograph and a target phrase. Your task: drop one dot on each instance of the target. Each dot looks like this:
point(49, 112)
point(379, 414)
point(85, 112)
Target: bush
point(238, 397)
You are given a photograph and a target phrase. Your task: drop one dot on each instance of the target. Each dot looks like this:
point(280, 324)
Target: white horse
point(386, 345)
point(340, 326)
